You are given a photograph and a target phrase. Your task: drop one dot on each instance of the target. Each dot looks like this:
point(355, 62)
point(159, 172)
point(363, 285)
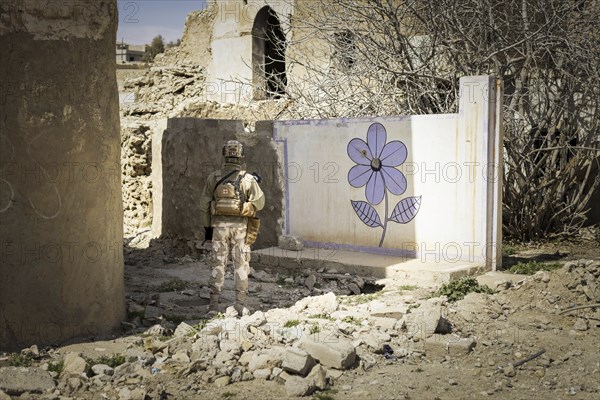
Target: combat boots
point(214, 303)
point(240, 303)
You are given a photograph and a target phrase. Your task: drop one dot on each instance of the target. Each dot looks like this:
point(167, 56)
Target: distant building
point(130, 53)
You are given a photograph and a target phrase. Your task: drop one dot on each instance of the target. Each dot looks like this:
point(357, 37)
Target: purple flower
point(376, 162)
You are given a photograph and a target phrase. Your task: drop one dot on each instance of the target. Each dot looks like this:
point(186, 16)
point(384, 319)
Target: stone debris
point(297, 361)
point(325, 339)
point(132, 394)
point(336, 353)
point(427, 320)
point(325, 304)
point(293, 243)
point(74, 364)
point(310, 282)
point(439, 346)
point(102, 369)
point(184, 329)
point(15, 381)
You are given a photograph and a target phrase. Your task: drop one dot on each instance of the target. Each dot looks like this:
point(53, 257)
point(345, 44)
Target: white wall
point(459, 217)
point(229, 77)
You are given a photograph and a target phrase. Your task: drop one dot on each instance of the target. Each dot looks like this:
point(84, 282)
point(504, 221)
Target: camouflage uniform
point(229, 233)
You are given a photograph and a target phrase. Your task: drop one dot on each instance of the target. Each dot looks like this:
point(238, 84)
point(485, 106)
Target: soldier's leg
point(220, 252)
point(241, 261)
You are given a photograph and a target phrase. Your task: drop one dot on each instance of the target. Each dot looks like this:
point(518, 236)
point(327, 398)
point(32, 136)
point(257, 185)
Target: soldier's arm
point(255, 194)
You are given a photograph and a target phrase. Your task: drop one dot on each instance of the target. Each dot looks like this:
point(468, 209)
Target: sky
point(141, 20)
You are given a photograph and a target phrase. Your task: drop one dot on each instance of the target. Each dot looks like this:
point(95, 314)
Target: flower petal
point(375, 188)
point(393, 154)
point(359, 175)
point(359, 152)
point(395, 181)
point(376, 137)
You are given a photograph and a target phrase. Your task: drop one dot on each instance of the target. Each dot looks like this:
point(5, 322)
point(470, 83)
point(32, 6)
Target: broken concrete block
point(296, 386)
point(268, 358)
point(334, 374)
point(230, 346)
point(135, 394)
point(324, 304)
point(17, 380)
point(439, 346)
point(74, 364)
point(318, 377)
point(374, 339)
point(310, 281)
point(293, 243)
point(246, 357)
point(396, 311)
point(262, 373)
point(354, 288)
point(184, 329)
point(427, 320)
point(222, 381)
point(338, 353)
point(386, 324)
point(297, 361)
point(102, 369)
point(181, 356)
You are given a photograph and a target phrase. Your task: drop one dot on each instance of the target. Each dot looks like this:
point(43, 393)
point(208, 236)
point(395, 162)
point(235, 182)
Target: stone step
point(408, 270)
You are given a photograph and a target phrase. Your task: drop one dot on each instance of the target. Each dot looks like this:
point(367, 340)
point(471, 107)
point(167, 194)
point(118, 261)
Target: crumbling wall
point(194, 48)
point(136, 166)
point(61, 225)
point(186, 153)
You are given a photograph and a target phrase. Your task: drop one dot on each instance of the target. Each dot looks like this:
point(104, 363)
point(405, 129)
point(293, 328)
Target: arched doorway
point(268, 56)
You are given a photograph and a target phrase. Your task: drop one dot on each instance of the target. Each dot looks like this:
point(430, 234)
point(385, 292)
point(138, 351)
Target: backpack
point(228, 198)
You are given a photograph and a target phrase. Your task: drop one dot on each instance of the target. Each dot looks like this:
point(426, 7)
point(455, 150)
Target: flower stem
point(385, 220)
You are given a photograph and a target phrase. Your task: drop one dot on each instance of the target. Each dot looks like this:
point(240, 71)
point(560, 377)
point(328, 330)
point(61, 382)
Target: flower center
point(375, 164)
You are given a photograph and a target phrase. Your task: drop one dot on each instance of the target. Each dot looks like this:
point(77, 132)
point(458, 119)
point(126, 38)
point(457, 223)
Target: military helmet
point(233, 148)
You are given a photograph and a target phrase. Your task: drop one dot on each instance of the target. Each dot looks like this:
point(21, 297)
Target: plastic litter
point(388, 352)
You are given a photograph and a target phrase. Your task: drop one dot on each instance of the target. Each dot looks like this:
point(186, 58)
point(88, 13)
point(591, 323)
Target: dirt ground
point(569, 367)
point(521, 319)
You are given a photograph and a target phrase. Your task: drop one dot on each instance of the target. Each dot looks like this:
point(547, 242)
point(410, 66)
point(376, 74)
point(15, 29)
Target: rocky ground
point(329, 335)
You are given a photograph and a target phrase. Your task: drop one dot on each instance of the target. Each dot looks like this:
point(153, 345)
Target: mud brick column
point(61, 219)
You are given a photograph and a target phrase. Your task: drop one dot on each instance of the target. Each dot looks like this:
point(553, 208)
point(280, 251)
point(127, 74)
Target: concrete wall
point(186, 153)
point(451, 186)
point(61, 267)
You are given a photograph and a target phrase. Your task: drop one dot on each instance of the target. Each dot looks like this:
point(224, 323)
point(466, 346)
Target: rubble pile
point(576, 283)
point(305, 348)
point(181, 90)
point(162, 89)
point(304, 338)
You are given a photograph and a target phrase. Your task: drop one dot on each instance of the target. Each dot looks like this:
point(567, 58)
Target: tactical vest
point(228, 198)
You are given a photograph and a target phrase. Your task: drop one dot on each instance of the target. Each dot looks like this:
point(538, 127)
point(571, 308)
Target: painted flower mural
point(375, 168)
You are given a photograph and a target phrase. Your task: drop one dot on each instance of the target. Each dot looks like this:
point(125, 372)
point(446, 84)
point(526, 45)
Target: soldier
point(230, 198)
